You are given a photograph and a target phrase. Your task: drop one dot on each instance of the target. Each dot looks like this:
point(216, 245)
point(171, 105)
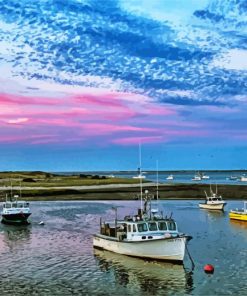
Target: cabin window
point(162, 226)
point(142, 227)
point(134, 228)
point(171, 225)
point(152, 226)
point(8, 206)
point(20, 205)
point(14, 205)
point(129, 228)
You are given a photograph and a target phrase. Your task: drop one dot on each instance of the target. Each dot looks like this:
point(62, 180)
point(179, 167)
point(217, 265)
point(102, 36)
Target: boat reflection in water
point(13, 236)
point(152, 277)
point(237, 224)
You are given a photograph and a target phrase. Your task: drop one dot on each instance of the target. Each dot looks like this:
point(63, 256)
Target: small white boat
point(213, 201)
point(140, 176)
point(197, 177)
point(170, 177)
point(205, 177)
point(233, 178)
point(239, 214)
point(243, 178)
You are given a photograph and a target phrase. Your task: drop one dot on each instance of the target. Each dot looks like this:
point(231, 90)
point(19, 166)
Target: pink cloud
point(38, 120)
point(17, 120)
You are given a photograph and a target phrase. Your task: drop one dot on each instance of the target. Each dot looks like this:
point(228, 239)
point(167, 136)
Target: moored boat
point(243, 178)
point(170, 177)
point(140, 176)
point(239, 214)
point(205, 177)
point(197, 177)
point(213, 201)
point(14, 211)
point(143, 235)
point(148, 234)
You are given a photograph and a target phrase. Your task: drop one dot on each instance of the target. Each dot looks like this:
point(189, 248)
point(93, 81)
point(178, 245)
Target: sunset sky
point(83, 82)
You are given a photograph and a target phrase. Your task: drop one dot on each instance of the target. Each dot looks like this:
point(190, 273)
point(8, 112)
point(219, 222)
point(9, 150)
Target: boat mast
point(157, 180)
point(140, 167)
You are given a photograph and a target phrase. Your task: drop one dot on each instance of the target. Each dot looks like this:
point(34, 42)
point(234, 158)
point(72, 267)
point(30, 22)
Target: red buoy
point(208, 268)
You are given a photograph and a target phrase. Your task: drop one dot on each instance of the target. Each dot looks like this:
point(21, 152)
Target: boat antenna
point(216, 189)
point(140, 168)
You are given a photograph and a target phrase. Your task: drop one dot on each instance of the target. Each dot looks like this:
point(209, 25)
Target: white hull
point(170, 249)
point(243, 179)
point(139, 177)
point(219, 206)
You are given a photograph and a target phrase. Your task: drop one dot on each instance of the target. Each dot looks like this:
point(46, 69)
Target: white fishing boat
point(15, 212)
point(148, 234)
point(170, 177)
point(213, 201)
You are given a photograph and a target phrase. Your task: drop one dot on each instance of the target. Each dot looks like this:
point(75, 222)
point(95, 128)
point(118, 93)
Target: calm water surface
point(58, 258)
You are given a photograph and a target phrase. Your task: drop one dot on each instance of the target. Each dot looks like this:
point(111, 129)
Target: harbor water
point(58, 258)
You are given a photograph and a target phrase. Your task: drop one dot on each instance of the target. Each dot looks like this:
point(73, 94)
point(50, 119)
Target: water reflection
point(13, 236)
point(151, 277)
point(238, 224)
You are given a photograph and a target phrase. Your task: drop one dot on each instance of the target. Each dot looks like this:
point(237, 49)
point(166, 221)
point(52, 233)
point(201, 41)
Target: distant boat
point(243, 178)
point(213, 201)
point(140, 176)
point(205, 177)
point(170, 177)
point(239, 214)
point(233, 178)
point(111, 176)
point(197, 177)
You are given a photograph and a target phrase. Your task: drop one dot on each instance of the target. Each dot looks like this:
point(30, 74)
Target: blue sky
point(86, 81)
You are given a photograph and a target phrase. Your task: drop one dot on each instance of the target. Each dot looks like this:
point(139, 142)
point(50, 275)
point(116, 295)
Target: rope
point(192, 262)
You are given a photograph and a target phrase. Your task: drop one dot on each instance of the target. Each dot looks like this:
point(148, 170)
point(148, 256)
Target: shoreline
point(125, 192)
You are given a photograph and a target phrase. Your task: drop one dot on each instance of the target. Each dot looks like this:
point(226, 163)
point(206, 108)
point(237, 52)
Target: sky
point(83, 82)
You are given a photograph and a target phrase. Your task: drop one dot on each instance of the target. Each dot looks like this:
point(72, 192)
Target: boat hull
point(19, 218)
point(238, 216)
point(167, 249)
point(219, 207)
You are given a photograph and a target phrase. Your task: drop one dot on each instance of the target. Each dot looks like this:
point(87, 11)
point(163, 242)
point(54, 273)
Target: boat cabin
point(139, 230)
point(15, 204)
